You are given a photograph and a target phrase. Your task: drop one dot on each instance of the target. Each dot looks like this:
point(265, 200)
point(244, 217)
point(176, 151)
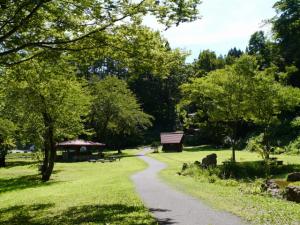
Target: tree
point(241, 93)
point(207, 61)
point(7, 129)
point(268, 100)
point(222, 96)
point(50, 98)
point(29, 28)
point(260, 47)
point(115, 110)
point(286, 29)
point(232, 55)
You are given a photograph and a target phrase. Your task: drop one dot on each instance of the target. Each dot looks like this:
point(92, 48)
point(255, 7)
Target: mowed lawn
point(229, 196)
point(78, 193)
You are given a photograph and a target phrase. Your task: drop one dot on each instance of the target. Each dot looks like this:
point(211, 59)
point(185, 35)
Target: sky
point(224, 24)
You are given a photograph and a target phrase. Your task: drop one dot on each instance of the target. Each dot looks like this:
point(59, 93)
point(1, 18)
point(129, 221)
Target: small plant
point(294, 146)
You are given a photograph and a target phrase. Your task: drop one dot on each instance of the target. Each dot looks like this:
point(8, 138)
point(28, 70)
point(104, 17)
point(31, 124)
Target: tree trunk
point(266, 142)
point(234, 141)
point(2, 161)
point(50, 150)
point(233, 154)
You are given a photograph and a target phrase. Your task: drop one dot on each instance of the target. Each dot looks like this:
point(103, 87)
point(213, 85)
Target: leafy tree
point(234, 52)
point(232, 55)
point(241, 93)
point(7, 130)
point(28, 28)
point(49, 98)
point(286, 29)
point(115, 111)
point(260, 47)
point(268, 100)
point(207, 61)
point(221, 96)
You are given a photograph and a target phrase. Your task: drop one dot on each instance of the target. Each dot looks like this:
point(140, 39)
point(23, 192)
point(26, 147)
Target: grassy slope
point(255, 208)
point(78, 193)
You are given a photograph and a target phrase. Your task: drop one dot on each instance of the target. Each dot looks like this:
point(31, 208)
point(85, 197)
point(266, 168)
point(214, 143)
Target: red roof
point(79, 142)
point(171, 138)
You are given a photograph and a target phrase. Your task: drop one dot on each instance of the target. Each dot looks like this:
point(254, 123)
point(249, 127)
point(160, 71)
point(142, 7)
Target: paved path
point(173, 207)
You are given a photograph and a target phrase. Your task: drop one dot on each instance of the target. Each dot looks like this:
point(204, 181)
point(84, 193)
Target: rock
point(209, 161)
point(271, 187)
point(292, 193)
point(293, 177)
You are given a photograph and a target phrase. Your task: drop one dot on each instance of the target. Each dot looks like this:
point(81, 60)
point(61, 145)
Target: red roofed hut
point(80, 150)
point(172, 142)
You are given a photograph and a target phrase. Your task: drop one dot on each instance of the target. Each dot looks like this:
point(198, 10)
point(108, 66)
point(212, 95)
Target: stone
point(271, 187)
point(293, 177)
point(292, 193)
point(209, 161)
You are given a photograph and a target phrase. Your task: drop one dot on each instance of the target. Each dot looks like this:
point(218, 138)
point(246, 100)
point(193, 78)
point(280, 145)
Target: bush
point(194, 170)
point(294, 146)
point(253, 187)
point(244, 170)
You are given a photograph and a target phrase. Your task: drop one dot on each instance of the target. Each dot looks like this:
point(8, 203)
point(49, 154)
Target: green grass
point(78, 193)
point(230, 196)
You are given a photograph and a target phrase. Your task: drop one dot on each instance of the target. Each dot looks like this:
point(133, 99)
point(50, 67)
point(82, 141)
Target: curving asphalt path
point(172, 207)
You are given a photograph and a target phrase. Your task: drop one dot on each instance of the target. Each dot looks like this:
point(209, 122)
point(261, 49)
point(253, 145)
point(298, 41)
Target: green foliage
point(260, 47)
point(286, 26)
point(7, 141)
point(31, 27)
point(115, 110)
point(240, 93)
point(50, 102)
point(50, 88)
point(294, 146)
point(207, 61)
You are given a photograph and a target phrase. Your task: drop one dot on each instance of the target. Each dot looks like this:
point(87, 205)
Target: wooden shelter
point(80, 150)
point(172, 142)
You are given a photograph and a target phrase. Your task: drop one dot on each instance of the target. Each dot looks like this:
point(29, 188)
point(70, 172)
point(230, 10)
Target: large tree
point(7, 131)
point(286, 29)
point(207, 61)
point(241, 93)
point(28, 28)
point(50, 98)
point(115, 111)
point(268, 100)
point(221, 96)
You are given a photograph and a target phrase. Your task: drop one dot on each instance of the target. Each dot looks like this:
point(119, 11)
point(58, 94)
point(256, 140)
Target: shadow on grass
point(256, 169)
point(86, 214)
point(22, 182)
point(202, 148)
point(10, 164)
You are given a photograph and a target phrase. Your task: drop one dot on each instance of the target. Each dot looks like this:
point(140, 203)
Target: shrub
point(294, 146)
point(252, 187)
point(244, 170)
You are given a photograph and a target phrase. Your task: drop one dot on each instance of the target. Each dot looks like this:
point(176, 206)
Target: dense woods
point(90, 69)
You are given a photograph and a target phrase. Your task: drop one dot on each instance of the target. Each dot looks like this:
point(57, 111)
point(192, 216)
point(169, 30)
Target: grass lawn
point(229, 196)
point(78, 193)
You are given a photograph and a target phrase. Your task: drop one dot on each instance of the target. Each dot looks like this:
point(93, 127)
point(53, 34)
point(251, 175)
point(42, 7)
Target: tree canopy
point(28, 28)
point(49, 97)
point(115, 111)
